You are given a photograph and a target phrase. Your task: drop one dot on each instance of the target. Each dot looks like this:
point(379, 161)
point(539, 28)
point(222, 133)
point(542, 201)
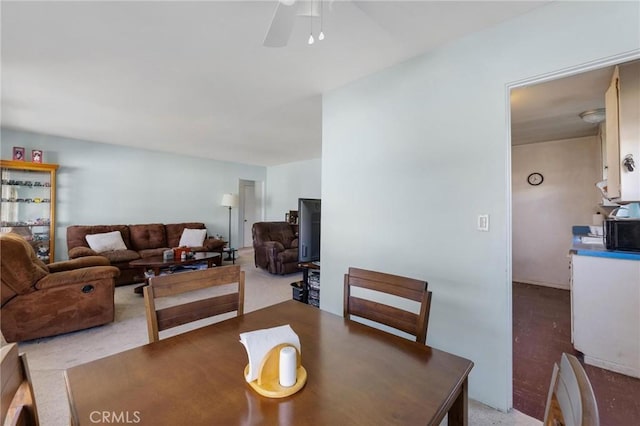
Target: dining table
point(356, 375)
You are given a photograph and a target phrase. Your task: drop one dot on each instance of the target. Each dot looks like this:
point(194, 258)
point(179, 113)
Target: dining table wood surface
point(356, 375)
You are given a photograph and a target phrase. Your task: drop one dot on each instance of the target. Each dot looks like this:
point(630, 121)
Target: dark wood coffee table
point(157, 264)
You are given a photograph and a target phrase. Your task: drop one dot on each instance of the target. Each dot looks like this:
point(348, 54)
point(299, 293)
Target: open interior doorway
point(556, 161)
point(250, 209)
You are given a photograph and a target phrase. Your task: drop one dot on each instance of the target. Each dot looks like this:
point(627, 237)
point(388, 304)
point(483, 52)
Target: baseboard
point(543, 284)
point(612, 366)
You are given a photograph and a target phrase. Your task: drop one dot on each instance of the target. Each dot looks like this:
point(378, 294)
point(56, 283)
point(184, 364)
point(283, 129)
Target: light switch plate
point(483, 222)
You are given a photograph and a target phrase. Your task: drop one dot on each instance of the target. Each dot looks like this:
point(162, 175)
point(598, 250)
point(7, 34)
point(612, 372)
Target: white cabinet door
point(606, 312)
point(612, 137)
point(622, 101)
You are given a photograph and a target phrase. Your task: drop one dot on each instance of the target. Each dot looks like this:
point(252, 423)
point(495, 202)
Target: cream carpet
point(49, 357)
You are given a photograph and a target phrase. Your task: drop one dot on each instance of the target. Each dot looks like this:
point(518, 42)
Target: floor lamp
point(229, 200)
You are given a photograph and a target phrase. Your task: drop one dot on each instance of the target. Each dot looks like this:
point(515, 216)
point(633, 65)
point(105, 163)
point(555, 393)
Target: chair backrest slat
point(408, 288)
point(571, 400)
point(384, 314)
point(185, 282)
point(178, 283)
point(17, 404)
point(174, 316)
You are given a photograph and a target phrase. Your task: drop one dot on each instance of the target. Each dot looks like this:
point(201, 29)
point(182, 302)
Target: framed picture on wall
point(36, 156)
point(18, 153)
point(293, 217)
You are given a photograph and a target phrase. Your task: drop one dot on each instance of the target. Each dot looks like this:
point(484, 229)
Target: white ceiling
point(194, 78)
point(551, 110)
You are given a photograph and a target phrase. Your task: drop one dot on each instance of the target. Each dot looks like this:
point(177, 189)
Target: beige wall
point(543, 215)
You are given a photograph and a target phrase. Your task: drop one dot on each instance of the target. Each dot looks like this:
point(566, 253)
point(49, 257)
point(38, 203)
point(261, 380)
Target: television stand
point(311, 282)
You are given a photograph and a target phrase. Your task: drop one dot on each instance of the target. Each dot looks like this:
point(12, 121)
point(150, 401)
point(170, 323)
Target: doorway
point(556, 160)
point(250, 209)
point(542, 214)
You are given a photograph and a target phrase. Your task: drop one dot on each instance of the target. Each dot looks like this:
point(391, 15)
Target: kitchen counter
point(597, 250)
point(605, 305)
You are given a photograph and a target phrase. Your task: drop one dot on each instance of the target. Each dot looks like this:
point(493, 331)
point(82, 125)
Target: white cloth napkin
point(259, 342)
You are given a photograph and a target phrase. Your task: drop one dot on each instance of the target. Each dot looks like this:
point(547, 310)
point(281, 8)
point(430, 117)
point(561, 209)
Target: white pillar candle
point(288, 366)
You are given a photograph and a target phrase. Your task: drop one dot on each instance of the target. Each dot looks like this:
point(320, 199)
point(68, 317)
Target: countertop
point(597, 250)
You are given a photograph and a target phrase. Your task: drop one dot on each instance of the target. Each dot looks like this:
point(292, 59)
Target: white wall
point(288, 182)
point(107, 184)
point(543, 215)
point(414, 153)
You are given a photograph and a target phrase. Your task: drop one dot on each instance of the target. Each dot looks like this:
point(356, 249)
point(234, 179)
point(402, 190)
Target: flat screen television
point(308, 230)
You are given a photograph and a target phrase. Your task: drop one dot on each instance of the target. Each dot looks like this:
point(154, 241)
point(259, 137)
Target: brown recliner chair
point(275, 247)
point(40, 300)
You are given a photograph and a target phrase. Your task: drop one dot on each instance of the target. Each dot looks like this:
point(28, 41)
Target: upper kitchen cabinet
point(622, 102)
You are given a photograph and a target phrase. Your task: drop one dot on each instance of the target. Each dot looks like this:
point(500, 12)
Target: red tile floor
point(541, 332)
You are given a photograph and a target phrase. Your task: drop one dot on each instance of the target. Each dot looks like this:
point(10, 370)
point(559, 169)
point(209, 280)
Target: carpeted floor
point(49, 357)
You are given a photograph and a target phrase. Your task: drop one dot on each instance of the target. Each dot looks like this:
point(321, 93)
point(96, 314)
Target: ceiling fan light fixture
point(311, 40)
point(321, 35)
point(593, 116)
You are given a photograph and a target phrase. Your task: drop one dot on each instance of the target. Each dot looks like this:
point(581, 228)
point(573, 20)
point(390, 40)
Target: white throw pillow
point(192, 237)
point(109, 241)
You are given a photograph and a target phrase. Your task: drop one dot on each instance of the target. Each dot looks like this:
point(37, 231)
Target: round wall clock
point(535, 179)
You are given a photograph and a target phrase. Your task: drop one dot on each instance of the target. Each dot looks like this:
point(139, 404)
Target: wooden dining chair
point(18, 404)
point(408, 288)
point(184, 282)
point(571, 401)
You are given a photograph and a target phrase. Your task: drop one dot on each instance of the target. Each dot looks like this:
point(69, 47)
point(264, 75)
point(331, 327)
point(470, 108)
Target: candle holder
point(268, 381)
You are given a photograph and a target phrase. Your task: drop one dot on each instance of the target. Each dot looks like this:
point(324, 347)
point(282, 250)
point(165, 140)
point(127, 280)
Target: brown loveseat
point(141, 241)
point(275, 247)
point(41, 300)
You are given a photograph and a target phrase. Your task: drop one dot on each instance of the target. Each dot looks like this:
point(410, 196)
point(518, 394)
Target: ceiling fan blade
point(281, 25)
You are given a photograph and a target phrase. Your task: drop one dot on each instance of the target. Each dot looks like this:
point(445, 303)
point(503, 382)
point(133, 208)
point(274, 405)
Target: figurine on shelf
point(36, 156)
point(18, 153)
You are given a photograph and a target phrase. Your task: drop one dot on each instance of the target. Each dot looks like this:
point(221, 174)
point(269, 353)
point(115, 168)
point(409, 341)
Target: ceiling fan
point(283, 20)
point(287, 10)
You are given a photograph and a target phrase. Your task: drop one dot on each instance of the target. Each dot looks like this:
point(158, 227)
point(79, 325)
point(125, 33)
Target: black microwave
point(622, 234)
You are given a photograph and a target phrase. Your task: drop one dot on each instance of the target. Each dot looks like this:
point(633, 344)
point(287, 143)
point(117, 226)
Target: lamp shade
point(229, 200)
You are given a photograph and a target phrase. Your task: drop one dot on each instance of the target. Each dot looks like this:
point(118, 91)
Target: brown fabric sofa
point(41, 300)
point(144, 240)
point(275, 247)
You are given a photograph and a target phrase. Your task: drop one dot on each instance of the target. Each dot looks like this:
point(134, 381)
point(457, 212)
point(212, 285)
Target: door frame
point(259, 195)
point(566, 72)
